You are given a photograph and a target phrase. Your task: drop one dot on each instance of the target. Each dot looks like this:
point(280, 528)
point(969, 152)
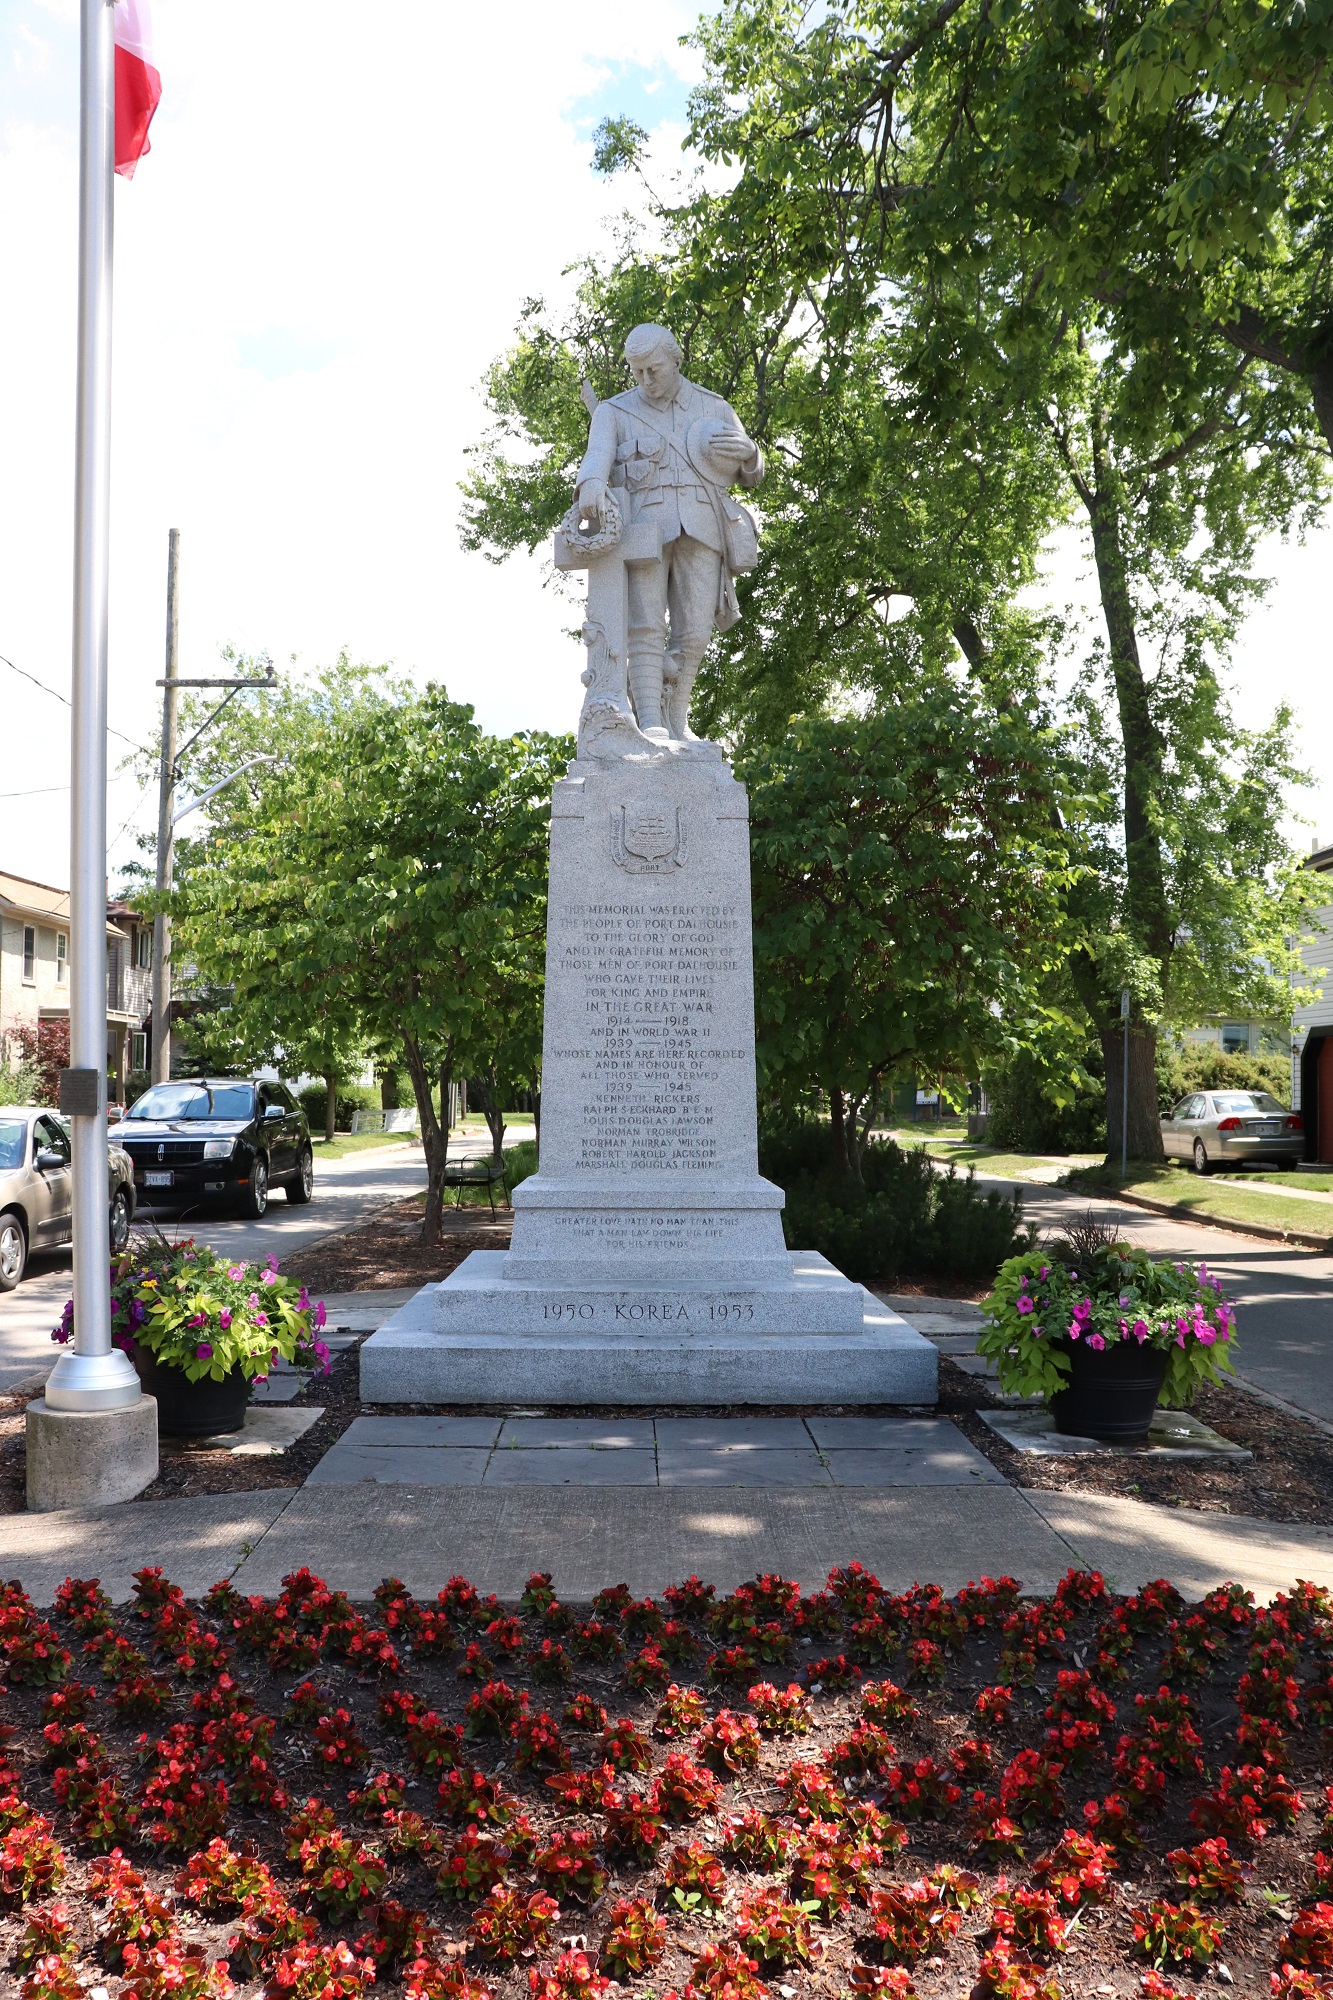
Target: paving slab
point(591, 1466)
point(480, 1432)
point(1172, 1434)
point(554, 1433)
point(395, 1465)
point(277, 1389)
point(683, 1465)
point(266, 1433)
point(733, 1433)
point(196, 1541)
point(650, 1537)
point(938, 1467)
point(1132, 1541)
point(885, 1433)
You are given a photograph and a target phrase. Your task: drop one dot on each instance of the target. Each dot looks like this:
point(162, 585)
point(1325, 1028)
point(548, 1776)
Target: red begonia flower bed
point(849, 1793)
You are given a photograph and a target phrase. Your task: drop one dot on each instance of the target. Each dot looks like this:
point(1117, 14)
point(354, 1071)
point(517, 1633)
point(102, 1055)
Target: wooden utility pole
point(166, 788)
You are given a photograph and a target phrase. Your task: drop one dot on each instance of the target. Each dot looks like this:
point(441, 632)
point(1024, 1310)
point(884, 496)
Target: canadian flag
point(138, 85)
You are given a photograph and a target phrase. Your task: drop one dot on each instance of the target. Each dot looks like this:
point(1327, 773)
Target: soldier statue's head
point(654, 356)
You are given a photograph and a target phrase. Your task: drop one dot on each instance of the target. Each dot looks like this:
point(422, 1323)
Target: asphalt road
point(347, 1191)
point(1283, 1294)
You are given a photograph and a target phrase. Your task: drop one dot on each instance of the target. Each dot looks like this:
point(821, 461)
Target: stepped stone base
point(480, 1337)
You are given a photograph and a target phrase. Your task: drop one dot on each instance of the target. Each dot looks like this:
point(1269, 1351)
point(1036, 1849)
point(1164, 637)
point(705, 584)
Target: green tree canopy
point(385, 880)
point(911, 896)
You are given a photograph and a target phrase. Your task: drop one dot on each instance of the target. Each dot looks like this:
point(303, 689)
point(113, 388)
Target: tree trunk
point(1145, 1130)
point(486, 1088)
point(435, 1142)
point(846, 1153)
point(1147, 916)
point(330, 1105)
point(388, 1090)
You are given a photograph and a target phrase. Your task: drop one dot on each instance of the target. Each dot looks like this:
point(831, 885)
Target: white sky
point(342, 214)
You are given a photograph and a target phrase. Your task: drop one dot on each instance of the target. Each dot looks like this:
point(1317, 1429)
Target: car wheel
point(302, 1184)
point(120, 1221)
point(254, 1202)
point(1202, 1163)
point(1286, 1165)
point(13, 1252)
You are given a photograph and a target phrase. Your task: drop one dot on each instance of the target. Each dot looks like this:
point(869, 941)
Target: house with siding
point(1312, 1026)
point(35, 972)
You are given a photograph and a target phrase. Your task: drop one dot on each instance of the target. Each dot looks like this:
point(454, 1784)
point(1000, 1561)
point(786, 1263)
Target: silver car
point(35, 1188)
point(1219, 1128)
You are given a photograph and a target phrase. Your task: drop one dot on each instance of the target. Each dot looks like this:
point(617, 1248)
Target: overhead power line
point(23, 671)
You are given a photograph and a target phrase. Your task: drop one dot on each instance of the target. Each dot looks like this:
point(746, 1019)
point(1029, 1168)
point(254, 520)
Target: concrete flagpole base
point(89, 1458)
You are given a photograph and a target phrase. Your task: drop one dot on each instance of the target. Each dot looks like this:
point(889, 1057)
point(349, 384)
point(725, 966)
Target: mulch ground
point(466, 1795)
point(387, 1253)
point(1289, 1478)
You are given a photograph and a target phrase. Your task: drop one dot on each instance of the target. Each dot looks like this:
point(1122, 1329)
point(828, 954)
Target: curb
point(1179, 1213)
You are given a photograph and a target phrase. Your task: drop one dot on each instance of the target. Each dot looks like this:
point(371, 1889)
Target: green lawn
point(1211, 1197)
point(343, 1143)
point(1316, 1181)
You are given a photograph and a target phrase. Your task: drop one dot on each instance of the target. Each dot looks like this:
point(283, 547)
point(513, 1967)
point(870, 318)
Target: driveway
point(347, 1192)
point(1283, 1294)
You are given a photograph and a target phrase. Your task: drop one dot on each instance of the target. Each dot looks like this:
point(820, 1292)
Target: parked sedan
point(1216, 1128)
point(217, 1138)
point(35, 1188)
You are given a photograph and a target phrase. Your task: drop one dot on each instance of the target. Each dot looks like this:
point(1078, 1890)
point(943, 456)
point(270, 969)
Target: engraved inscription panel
point(648, 983)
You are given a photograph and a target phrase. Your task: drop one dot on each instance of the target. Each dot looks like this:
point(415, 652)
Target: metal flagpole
point(95, 1376)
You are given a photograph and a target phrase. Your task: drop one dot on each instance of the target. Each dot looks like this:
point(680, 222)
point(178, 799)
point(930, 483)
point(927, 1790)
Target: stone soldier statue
point(672, 451)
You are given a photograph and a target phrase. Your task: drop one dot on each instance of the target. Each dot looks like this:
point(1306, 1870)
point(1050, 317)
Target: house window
point(143, 949)
point(138, 1051)
point(1236, 1037)
point(62, 957)
point(29, 954)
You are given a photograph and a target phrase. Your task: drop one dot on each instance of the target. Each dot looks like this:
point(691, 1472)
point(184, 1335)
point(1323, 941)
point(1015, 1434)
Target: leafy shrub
point(905, 1215)
point(1189, 1066)
point(350, 1097)
point(520, 1162)
point(1025, 1116)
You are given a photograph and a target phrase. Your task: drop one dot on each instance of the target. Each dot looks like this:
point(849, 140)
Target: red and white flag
point(138, 85)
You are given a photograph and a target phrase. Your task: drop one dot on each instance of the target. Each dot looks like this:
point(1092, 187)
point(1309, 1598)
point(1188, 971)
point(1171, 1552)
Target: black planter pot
point(1112, 1393)
point(194, 1409)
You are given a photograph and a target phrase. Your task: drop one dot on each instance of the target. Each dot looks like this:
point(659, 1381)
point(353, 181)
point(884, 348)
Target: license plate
point(157, 1180)
point(1266, 1130)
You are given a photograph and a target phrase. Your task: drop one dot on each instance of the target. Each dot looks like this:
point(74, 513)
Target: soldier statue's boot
point(679, 687)
point(645, 689)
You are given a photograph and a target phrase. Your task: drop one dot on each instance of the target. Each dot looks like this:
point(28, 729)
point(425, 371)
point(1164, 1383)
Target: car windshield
point(197, 1100)
point(1232, 1101)
point(13, 1135)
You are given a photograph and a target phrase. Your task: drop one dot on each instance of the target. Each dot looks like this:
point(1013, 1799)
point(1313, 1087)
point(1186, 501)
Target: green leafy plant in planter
point(1087, 1289)
point(198, 1317)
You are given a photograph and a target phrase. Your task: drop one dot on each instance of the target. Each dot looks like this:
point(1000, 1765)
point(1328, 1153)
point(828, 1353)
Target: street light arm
point(192, 805)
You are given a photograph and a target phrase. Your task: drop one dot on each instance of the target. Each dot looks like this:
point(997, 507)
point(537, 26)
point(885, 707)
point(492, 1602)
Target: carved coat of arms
point(647, 841)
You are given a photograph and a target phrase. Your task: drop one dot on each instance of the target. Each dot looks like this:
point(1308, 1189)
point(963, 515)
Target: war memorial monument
point(647, 1263)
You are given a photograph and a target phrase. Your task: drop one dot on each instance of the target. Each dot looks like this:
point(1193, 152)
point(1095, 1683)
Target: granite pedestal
point(648, 1265)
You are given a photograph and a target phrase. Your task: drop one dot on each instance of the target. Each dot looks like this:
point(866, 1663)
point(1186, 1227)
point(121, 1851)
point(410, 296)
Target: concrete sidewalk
point(649, 1537)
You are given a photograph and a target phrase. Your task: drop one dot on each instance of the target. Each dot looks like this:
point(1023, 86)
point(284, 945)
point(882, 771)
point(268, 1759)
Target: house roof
point(40, 899)
point(36, 899)
point(1321, 859)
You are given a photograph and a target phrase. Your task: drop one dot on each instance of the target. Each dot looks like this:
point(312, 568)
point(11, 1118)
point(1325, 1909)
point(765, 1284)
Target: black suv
point(201, 1139)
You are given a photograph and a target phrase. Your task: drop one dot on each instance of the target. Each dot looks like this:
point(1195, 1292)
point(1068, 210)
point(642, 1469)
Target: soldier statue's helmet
point(648, 339)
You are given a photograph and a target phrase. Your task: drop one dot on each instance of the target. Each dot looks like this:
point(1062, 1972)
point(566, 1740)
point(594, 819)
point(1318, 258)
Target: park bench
point(476, 1173)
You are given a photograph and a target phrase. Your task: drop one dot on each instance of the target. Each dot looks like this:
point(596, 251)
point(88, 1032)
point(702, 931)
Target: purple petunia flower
point(320, 1315)
point(204, 1351)
point(261, 1319)
point(224, 1319)
point(1095, 1340)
